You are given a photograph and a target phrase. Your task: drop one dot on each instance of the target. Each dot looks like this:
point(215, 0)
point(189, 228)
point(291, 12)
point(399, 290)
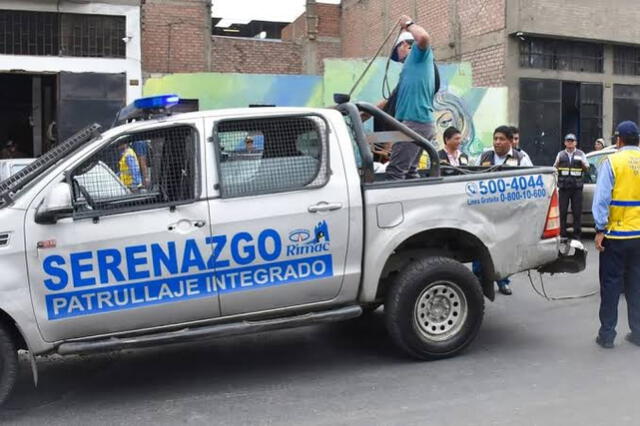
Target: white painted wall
point(131, 65)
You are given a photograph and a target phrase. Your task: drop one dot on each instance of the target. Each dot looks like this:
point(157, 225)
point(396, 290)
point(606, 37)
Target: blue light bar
point(145, 108)
point(154, 102)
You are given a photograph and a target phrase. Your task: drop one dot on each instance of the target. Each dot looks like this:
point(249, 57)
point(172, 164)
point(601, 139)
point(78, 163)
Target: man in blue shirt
point(616, 211)
point(416, 89)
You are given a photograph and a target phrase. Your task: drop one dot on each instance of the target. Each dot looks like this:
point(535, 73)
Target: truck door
point(134, 252)
point(280, 222)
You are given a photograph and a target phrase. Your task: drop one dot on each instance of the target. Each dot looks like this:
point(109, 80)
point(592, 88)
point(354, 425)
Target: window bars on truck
point(272, 154)
point(138, 170)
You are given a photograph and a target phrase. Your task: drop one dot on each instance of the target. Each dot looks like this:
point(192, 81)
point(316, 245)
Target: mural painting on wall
point(475, 111)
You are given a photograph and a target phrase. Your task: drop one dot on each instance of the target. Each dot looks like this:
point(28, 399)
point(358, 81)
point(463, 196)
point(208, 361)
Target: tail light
point(552, 224)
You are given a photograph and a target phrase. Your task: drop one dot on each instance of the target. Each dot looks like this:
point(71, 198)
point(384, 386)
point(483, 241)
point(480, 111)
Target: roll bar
point(353, 112)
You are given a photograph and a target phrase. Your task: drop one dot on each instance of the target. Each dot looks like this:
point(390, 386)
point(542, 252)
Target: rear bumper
point(572, 258)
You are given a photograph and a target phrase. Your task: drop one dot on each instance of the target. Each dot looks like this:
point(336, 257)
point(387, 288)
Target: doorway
point(549, 109)
point(27, 108)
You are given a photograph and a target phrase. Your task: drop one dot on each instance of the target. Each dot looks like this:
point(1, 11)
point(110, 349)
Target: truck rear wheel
point(434, 308)
point(8, 363)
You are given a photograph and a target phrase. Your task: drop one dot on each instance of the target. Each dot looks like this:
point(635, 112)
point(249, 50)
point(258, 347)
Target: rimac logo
point(305, 242)
point(299, 236)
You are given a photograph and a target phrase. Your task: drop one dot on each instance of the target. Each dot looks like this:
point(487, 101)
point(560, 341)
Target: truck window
point(137, 171)
point(269, 155)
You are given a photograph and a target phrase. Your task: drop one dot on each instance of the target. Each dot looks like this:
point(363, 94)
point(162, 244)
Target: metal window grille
point(138, 170)
point(61, 34)
point(626, 60)
point(561, 55)
point(93, 36)
point(626, 102)
point(29, 33)
point(272, 155)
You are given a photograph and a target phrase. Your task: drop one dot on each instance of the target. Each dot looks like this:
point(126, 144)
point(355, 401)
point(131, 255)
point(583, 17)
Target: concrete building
point(64, 64)
point(570, 66)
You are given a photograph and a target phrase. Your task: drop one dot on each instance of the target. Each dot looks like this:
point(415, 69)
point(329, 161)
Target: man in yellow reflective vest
point(616, 210)
point(128, 167)
point(571, 164)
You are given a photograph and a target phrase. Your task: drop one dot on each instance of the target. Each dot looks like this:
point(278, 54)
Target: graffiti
point(475, 111)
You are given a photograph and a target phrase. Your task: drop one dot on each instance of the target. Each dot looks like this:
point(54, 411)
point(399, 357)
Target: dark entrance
point(549, 109)
point(86, 98)
point(27, 111)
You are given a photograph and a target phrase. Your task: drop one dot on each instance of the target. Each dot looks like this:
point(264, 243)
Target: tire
point(429, 332)
point(8, 364)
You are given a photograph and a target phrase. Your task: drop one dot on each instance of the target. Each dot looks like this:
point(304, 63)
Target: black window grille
point(561, 55)
point(138, 171)
point(272, 155)
point(626, 103)
point(61, 34)
point(626, 60)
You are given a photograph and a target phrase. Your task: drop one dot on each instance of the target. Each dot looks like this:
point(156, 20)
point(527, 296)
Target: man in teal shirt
point(416, 89)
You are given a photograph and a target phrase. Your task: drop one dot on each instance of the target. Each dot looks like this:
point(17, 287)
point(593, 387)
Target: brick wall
point(461, 30)
point(176, 36)
point(295, 30)
point(328, 44)
point(364, 26)
point(481, 17)
point(328, 19)
point(488, 66)
point(245, 55)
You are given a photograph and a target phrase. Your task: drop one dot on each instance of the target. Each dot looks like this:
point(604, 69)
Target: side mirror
point(56, 204)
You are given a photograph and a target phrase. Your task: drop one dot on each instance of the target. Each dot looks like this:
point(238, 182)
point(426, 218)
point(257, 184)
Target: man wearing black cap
point(571, 164)
point(616, 211)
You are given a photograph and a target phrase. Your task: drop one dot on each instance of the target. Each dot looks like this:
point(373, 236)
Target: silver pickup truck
point(175, 228)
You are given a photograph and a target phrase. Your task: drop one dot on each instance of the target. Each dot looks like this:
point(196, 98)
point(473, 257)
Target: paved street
point(534, 362)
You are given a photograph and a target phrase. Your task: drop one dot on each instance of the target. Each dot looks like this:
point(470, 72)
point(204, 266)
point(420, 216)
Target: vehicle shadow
point(216, 367)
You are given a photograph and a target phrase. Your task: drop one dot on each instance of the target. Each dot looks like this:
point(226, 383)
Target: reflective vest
point(570, 173)
point(624, 210)
point(463, 160)
point(488, 158)
point(127, 174)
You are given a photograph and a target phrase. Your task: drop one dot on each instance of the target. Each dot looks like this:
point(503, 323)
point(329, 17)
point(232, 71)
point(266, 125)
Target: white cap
point(404, 36)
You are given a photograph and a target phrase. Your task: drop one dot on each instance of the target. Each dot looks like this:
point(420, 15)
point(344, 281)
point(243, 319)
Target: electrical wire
point(374, 58)
point(544, 294)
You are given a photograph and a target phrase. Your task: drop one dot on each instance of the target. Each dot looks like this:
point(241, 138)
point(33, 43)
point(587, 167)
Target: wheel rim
point(440, 311)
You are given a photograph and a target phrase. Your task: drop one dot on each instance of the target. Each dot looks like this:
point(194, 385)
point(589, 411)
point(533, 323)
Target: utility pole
point(310, 48)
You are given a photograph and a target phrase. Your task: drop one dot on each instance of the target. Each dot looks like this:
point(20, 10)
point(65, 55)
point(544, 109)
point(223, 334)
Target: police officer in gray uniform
point(571, 164)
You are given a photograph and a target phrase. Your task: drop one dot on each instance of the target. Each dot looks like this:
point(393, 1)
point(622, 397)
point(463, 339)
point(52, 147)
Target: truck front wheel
point(434, 308)
point(8, 363)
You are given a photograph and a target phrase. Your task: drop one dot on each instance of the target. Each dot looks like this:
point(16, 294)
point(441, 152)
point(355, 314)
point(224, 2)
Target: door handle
point(184, 225)
point(323, 206)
